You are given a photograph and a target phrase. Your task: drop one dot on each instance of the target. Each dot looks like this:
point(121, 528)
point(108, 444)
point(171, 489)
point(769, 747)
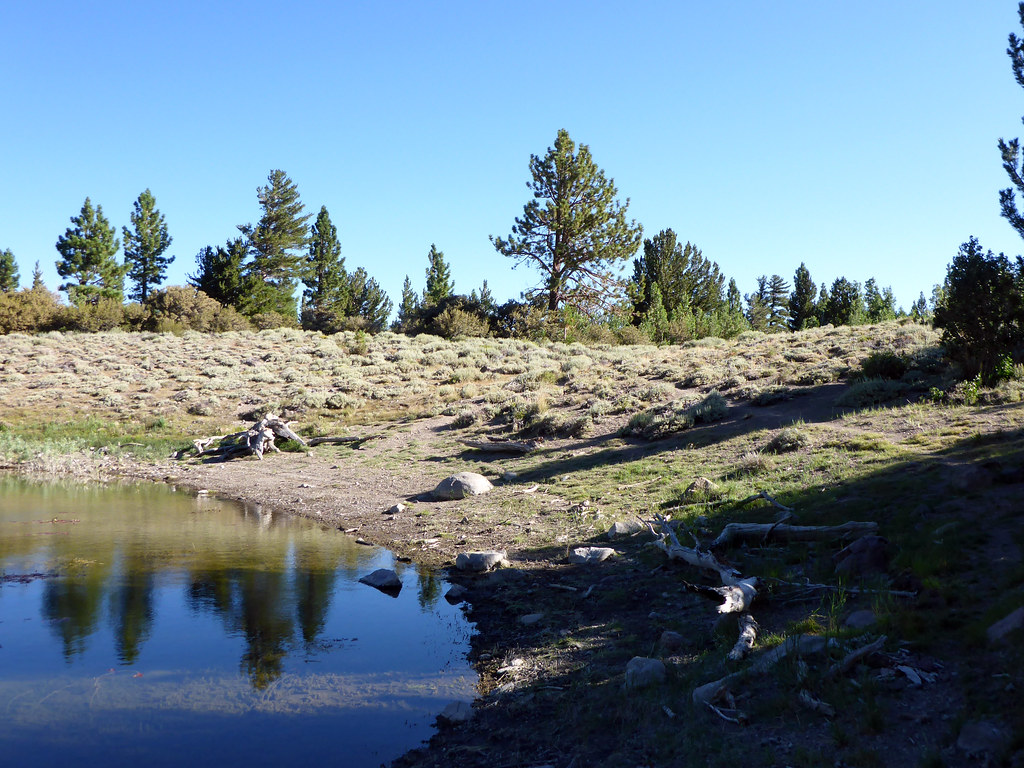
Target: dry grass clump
point(676, 416)
point(787, 440)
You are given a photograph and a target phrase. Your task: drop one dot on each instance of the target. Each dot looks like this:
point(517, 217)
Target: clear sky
point(858, 138)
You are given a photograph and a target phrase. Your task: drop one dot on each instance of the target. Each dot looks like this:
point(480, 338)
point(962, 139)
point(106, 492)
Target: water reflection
point(191, 591)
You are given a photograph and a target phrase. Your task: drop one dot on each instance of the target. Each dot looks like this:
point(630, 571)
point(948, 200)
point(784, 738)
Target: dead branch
point(256, 440)
point(759, 532)
point(763, 495)
point(853, 657)
point(356, 442)
point(747, 638)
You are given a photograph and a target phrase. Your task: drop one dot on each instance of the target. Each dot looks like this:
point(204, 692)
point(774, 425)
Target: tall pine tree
point(801, 300)
point(275, 245)
point(325, 268)
point(408, 309)
point(439, 283)
point(144, 246)
point(686, 279)
point(573, 231)
point(88, 250)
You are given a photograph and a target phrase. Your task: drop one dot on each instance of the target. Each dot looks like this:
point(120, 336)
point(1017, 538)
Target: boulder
point(861, 619)
point(395, 509)
point(385, 580)
point(462, 485)
point(456, 594)
point(455, 713)
point(642, 672)
point(530, 619)
point(586, 555)
point(702, 489)
point(981, 738)
point(671, 642)
point(627, 528)
point(479, 561)
point(867, 556)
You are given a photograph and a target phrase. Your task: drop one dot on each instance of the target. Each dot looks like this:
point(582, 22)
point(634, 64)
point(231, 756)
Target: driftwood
point(357, 442)
point(760, 532)
point(256, 440)
point(502, 446)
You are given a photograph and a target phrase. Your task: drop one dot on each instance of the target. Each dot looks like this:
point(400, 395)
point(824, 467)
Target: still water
point(147, 627)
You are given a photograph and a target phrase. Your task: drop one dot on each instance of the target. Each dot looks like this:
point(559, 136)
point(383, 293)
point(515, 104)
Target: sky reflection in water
point(186, 628)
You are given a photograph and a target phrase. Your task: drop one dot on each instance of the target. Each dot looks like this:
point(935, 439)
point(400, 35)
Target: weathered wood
point(850, 659)
point(341, 440)
point(257, 440)
point(747, 638)
point(759, 532)
point(502, 446)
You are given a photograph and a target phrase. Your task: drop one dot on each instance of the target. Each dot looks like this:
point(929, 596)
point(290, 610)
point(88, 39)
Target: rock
point(970, 478)
point(702, 488)
point(591, 554)
point(456, 713)
point(980, 737)
point(456, 594)
point(479, 561)
point(385, 580)
point(671, 642)
point(462, 485)
point(1006, 625)
point(642, 672)
point(867, 556)
point(861, 619)
point(627, 528)
point(395, 509)
point(530, 619)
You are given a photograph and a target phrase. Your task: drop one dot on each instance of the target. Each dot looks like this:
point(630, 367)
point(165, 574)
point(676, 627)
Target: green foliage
point(879, 305)
point(685, 279)
point(919, 311)
point(884, 365)
point(325, 274)
point(88, 262)
point(982, 314)
point(439, 283)
point(275, 244)
point(144, 246)
point(1010, 150)
point(220, 272)
point(787, 440)
point(774, 294)
point(408, 309)
point(573, 231)
point(654, 320)
point(801, 300)
point(871, 392)
point(8, 272)
point(103, 314)
point(454, 323)
point(844, 305)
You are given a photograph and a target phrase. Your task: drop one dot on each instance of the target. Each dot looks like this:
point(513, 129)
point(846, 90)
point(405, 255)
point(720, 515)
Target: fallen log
point(356, 442)
point(502, 446)
point(759, 532)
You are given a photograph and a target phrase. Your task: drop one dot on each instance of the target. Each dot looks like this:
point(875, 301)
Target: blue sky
point(859, 138)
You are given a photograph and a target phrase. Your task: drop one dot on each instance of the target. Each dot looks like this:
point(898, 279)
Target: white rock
point(590, 554)
point(479, 561)
point(861, 619)
point(530, 619)
point(395, 509)
point(455, 713)
point(642, 672)
point(1006, 625)
point(383, 579)
point(462, 485)
point(627, 528)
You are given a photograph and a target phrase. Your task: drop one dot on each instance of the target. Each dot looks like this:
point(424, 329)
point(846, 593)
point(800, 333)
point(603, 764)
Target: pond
point(141, 624)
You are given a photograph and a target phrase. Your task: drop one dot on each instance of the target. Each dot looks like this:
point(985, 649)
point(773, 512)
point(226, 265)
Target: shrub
point(35, 309)
point(104, 315)
point(884, 365)
point(869, 392)
point(454, 323)
point(184, 308)
point(676, 416)
point(787, 440)
point(266, 321)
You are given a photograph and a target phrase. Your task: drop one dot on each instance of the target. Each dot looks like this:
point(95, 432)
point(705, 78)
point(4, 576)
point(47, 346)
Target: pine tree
point(757, 305)
point(919, 309)
point(879, 305)
point(325, 275)
point(733, 298)
point(439, 283)
point(8, 272)
point(144, 246)
point(688, 281)
point(775, 297)
point(408, 309)
point(573, 231)
point(845, 305)
point(1010, 150)
point(365, 299)
point(275, 245)
point(220, 272)
point(801, 300)
point(88, 263)
point(37, 279)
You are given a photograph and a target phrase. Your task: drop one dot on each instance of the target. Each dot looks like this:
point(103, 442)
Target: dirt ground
point(551, 689)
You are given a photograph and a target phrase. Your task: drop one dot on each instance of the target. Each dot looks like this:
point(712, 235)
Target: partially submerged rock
point(456, 594)
point(455, 713)
point(587, 555)
point(385, 580)
point(480, 561)
point(462, 485)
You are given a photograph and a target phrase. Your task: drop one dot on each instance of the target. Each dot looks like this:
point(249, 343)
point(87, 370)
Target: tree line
point(284, 270)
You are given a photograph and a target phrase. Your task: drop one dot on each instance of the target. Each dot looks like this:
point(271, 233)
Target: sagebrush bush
point(787, 440)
